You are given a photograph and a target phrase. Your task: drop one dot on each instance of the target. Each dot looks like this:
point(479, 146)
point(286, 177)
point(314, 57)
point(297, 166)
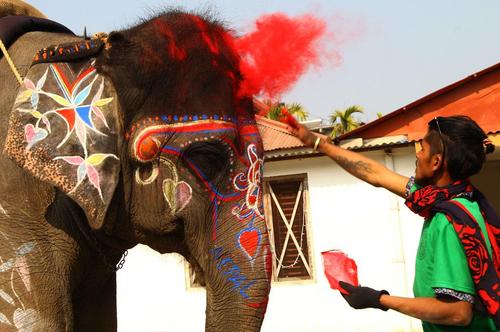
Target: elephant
point(139, 136)
point(18, 7)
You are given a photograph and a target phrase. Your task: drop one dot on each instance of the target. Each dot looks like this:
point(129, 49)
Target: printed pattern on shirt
point(455, 294)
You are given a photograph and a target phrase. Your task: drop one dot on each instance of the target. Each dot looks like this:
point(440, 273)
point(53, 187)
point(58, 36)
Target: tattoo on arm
point(357, 168)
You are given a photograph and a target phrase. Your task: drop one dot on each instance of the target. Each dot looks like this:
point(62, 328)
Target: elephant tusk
point(152, 177)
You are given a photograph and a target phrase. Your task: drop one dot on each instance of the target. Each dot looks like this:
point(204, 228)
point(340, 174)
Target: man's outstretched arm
point(355, 163)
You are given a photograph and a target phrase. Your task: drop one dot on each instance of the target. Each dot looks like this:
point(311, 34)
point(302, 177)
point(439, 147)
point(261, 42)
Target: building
point(312, 205)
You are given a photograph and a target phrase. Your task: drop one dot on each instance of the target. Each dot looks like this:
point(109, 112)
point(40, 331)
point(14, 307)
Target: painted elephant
point(137, 137)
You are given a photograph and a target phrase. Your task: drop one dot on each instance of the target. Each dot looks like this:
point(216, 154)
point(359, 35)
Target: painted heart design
point(169, 193)
point(34, 135)
point(183, 194)
point(249, 241)
point(177, 194)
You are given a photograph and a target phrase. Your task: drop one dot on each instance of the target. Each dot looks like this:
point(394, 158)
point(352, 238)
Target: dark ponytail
point(465, 144)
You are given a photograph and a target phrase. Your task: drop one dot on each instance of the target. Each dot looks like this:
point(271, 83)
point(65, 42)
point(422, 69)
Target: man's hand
point(362, 297)
point(305, 135)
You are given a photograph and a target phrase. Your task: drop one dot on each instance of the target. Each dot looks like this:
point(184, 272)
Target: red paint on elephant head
point(148, 148)
point(174, 50)
point(212, 45)
point(278, 52)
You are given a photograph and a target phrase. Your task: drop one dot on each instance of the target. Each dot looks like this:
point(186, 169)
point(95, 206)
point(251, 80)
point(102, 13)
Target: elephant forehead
point(200, 127)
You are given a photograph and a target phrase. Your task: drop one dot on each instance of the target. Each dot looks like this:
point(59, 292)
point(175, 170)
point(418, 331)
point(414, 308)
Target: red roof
point(275, 136)
point(477, 96)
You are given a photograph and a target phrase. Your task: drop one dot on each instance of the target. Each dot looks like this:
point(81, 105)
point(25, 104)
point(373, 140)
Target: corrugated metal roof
point(280, 143)
point(275, 136)
point(360, 143)
point(291, 153)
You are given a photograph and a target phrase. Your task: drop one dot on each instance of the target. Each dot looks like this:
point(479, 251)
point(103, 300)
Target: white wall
point(370, 224)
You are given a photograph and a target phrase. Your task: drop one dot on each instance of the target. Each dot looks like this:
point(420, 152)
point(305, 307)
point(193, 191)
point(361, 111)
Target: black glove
point(362, 297)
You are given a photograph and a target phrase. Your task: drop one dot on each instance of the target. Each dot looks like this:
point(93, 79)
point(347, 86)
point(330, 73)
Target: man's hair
point(461, 141)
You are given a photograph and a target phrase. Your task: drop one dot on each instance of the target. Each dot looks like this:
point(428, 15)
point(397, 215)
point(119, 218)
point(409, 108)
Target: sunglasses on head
point(436, 120)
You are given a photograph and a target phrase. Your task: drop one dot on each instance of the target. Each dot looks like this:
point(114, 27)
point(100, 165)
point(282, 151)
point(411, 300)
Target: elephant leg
point(94, 306)
point(50, 279)
point(35, 290)
point(93, 292)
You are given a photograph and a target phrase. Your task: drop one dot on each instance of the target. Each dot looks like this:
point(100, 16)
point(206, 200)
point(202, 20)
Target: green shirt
point(441, 263)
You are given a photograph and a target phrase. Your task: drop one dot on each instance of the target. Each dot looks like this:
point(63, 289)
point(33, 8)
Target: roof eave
point(355, 132)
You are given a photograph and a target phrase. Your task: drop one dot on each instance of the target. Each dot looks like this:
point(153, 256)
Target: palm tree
point(298, 111)
point(343, 120)
point(295, 109)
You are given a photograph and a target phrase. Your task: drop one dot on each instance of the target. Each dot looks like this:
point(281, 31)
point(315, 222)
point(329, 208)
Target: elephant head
point(147, 132)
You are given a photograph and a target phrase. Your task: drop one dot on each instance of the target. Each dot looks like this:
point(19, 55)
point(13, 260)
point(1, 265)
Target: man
point(457, 282)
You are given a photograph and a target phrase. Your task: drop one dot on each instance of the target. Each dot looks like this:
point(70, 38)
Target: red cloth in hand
point(339, 267)
point(288, 118)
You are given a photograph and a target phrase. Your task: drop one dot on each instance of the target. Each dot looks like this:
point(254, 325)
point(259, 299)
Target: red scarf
point(485, 270)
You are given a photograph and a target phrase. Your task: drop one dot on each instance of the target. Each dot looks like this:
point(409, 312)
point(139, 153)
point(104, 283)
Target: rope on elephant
point(11, 63)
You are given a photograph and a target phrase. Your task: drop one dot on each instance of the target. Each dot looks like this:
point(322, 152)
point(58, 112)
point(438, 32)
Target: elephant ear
point(64, 130)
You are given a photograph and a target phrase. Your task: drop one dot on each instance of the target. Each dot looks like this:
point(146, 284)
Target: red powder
point(176, 52)
point(206, 38)
point(278, 52)
point(288, 118)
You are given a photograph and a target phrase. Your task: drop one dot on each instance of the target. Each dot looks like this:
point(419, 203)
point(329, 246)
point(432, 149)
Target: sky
point(392, 52)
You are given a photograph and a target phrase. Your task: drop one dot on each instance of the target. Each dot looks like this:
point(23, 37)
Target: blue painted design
point(164, 118)
point(241, 214)
point(176, 118)
point(195, 117)
point(204, 117)
point(60, 84)
point(216, 117)
point(232, 272)
point(25, 248)
point(84, 114)
point(82, 95)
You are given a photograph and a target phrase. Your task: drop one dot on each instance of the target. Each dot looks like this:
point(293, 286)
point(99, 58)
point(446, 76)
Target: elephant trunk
point(237, 310)
point(239, 282)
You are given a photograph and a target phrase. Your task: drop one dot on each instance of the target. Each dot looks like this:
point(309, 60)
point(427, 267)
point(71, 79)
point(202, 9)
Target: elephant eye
point(148, 149)
point(210, 159)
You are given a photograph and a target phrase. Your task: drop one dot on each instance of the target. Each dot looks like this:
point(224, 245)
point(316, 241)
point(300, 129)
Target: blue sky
point(407, 48)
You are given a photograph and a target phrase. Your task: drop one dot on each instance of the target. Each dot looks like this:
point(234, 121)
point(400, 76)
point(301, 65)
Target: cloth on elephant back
point(18, 8)
point(13, 27)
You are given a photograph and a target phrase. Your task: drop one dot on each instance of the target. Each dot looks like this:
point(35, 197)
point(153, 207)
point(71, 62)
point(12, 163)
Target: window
point(285, 204)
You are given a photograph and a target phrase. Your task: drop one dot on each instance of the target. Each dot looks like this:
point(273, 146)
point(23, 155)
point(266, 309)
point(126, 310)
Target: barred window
point(285, 204)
